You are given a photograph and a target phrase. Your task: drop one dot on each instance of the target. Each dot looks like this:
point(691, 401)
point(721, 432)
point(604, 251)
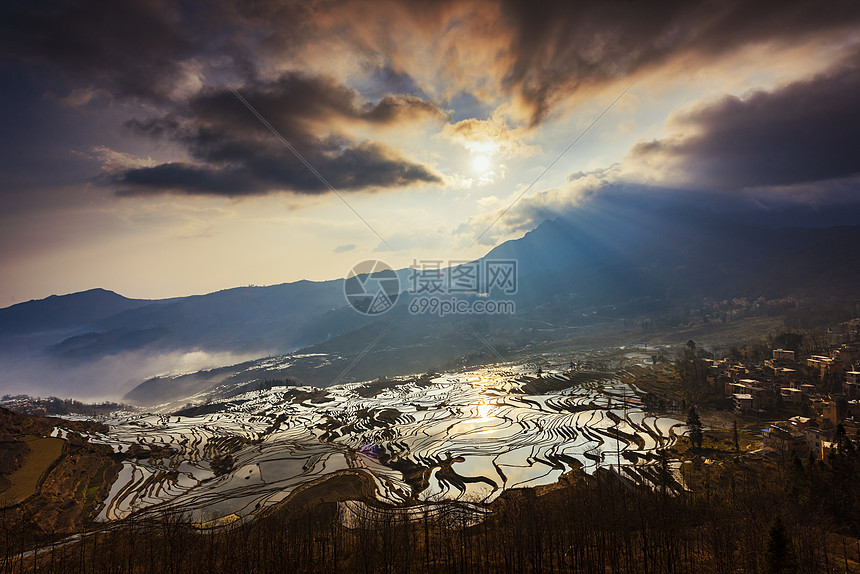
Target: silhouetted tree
point(790, 341)
point(735, 436)
point(780, 554)
point(694, 423)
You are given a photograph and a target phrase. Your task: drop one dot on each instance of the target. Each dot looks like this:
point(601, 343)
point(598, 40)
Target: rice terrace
point(446, 287)
point(465, 436)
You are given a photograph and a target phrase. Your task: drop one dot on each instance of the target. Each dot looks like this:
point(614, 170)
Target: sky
point(163, 149)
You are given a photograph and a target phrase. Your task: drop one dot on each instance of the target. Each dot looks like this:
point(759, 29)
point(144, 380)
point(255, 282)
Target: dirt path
point(25, 480)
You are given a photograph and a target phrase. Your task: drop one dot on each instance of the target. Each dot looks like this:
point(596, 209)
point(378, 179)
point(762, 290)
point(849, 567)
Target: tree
point(844, 446)
point(539, 372)
point(694, 424)
point(736, 354)
point(735, 436)
point(664, 470)
point(780, 554)
point(787, 340)
point(691, 349)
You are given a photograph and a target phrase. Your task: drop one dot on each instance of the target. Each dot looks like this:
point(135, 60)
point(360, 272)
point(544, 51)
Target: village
point(807, 402)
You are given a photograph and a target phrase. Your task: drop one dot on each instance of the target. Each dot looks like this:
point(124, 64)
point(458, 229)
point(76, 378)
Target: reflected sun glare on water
point(485, 410)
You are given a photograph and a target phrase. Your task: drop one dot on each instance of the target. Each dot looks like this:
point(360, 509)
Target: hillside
point(56, 483)
point(64, 312)
point(610, 263)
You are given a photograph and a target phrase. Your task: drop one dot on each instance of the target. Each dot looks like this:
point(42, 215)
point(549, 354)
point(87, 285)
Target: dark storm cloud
point(235, 155)
point(294, 103)
point(543, 52)
point(130, 48)
point(384, 80)
point(186, 178)
point(362, 166)
point(393, 108)
point(166, 56)
point(804, 132)
point(150, 49)
point(561, 47)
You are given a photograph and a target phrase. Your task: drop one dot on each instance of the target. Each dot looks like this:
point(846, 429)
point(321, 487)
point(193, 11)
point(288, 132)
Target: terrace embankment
point(51, 486)
point(739, 517)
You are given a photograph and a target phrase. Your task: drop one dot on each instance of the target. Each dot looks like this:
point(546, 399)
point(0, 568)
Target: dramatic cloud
point(470, 100)
point(561, 47)
point(130, 48)
point(763, 156)
point(536, 57)
point(805, 132)
point(536, 54)
point(233, 154)
point(489, 137)
point(520, 214)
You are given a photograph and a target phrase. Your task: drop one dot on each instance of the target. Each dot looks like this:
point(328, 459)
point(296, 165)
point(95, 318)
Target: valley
point(461, 436)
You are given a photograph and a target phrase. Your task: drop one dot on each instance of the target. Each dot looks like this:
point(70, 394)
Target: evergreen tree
point(843, 465)
point(735, 436)
point(665, 470)
point(843, 443)
point(780, 555)
point(694, 424)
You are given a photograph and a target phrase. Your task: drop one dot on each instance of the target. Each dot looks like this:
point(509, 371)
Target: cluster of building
point(823, 389)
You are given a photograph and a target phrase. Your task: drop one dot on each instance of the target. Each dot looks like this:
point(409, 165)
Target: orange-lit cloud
point(799, 133)
point(232, 154)
point(443, 105)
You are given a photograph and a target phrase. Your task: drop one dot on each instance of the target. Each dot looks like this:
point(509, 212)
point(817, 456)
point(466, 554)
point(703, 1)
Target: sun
point(481, 163)
point(482, 154)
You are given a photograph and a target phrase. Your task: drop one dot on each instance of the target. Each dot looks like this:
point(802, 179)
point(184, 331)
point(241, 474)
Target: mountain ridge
point(627, 258)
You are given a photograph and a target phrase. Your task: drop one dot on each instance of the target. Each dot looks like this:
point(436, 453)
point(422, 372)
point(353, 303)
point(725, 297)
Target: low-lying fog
point(106, 379)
